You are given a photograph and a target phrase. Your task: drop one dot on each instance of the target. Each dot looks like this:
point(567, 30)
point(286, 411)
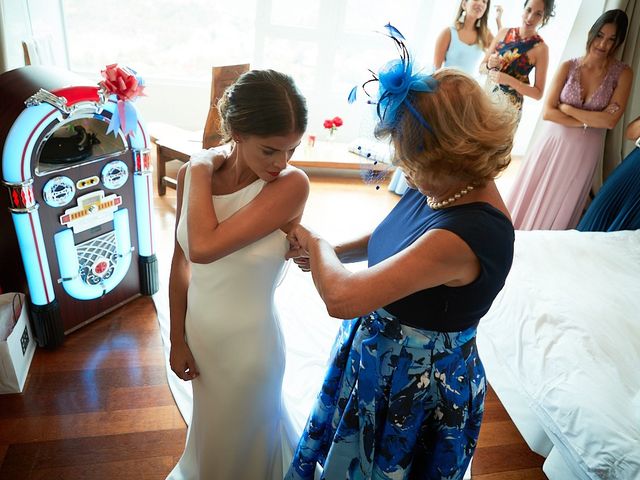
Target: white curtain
point(37, 23)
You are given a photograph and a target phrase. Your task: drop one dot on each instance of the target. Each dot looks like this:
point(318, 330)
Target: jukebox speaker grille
point(98, 258)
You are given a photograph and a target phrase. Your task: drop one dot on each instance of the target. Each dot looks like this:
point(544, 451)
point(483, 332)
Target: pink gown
point(551, 190)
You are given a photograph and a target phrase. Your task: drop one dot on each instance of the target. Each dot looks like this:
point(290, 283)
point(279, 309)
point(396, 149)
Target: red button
point(101, 267)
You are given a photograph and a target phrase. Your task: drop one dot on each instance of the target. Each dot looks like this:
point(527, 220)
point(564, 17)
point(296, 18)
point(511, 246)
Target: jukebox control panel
point(91, 267)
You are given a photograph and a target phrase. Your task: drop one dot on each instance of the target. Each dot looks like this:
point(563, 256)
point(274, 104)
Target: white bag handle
point(13, 307)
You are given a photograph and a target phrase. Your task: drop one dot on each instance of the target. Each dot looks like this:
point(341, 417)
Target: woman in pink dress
point(587, 97)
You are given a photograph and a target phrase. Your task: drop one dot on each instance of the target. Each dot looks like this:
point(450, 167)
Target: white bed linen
point(561, 347)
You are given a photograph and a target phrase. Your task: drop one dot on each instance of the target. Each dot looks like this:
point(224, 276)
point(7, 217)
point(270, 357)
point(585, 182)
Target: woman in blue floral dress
point(403, 395)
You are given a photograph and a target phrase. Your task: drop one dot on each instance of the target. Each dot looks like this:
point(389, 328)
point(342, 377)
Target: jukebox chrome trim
point(34, 256)
point(45, 96)
point(60, 102)
point(90, 115)
point(142, 161)
point(21, 198)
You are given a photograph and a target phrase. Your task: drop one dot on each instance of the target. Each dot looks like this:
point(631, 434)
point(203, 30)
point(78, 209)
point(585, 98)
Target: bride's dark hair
point(262, 103)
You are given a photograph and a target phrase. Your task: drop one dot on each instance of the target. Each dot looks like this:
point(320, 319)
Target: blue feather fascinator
point(396, 80)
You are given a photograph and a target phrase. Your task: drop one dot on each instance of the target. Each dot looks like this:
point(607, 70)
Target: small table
point(172, 143)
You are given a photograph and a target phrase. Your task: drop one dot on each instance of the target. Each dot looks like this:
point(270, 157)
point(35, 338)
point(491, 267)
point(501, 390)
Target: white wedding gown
point(236, 432)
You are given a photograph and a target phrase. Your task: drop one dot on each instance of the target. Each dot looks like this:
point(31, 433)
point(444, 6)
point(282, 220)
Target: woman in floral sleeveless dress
point(587, 97)
point(515, 52)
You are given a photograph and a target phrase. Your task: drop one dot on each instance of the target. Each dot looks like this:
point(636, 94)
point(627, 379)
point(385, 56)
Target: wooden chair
point(176, 144)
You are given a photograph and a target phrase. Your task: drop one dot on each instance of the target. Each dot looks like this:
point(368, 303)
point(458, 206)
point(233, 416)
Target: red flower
point(328, 124)
point(122, 82)
point(337, 121)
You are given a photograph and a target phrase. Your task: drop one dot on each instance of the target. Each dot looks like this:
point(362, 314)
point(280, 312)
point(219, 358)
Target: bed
point(561, 348)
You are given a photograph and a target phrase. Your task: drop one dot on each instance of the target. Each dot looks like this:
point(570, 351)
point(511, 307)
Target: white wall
point(185, 106)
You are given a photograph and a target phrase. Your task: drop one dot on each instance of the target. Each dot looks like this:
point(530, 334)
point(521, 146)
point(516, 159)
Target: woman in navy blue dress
point(617, 204)
point(403, 395)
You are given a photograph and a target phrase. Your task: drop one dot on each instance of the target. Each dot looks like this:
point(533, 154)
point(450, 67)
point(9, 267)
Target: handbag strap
point(13, 307)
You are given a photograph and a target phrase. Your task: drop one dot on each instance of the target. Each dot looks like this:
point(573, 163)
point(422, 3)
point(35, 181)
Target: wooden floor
point(100, 407)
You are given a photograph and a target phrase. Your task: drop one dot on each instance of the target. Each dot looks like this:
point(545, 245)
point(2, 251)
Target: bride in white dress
point(228, 258)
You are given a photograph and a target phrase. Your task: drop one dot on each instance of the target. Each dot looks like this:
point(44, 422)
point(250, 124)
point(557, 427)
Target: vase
point(330, 137)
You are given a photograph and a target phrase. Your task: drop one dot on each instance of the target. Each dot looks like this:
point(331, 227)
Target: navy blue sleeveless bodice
point(487, 231)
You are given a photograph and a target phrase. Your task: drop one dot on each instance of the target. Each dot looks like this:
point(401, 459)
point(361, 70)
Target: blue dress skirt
point(397, 403)
point(617, 204)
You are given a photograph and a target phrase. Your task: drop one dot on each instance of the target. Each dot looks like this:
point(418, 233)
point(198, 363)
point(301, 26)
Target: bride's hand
point(210, 160)
point(182, 362)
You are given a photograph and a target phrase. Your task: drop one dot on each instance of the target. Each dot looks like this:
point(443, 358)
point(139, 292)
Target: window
point(163, 39)
point(326, 45)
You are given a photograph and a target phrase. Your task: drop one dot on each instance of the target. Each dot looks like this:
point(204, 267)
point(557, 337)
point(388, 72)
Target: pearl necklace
point(438, 205)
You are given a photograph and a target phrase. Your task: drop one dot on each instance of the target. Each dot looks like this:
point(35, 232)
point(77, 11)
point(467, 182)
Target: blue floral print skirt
point(397, 403)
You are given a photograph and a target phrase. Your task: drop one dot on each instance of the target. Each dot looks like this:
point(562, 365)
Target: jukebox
point(76, 221)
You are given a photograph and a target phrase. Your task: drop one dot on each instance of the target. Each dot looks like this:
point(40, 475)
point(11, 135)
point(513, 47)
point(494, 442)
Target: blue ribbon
point(125, 118)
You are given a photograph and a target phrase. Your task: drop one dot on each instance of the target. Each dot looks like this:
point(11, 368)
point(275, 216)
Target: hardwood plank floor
point(100, 407)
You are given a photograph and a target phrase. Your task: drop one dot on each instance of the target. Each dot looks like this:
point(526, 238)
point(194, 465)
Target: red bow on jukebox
point(126, 85)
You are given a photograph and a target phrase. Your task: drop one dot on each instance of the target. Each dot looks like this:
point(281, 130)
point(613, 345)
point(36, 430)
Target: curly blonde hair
point(471, 133)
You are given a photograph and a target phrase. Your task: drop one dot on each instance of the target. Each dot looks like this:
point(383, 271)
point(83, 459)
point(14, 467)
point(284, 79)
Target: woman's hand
point(302, 260)
point(494, 62)
point(499, 11)
point(501, 78)
point(182, 362)
point(299, 240)
point(564, 108)
point(633, 131)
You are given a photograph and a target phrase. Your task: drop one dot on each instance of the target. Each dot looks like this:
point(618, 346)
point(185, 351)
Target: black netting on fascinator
point(399, 83)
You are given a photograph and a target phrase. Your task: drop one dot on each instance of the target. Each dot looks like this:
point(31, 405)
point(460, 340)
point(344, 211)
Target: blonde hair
point(483, 32)
point(471, 133)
